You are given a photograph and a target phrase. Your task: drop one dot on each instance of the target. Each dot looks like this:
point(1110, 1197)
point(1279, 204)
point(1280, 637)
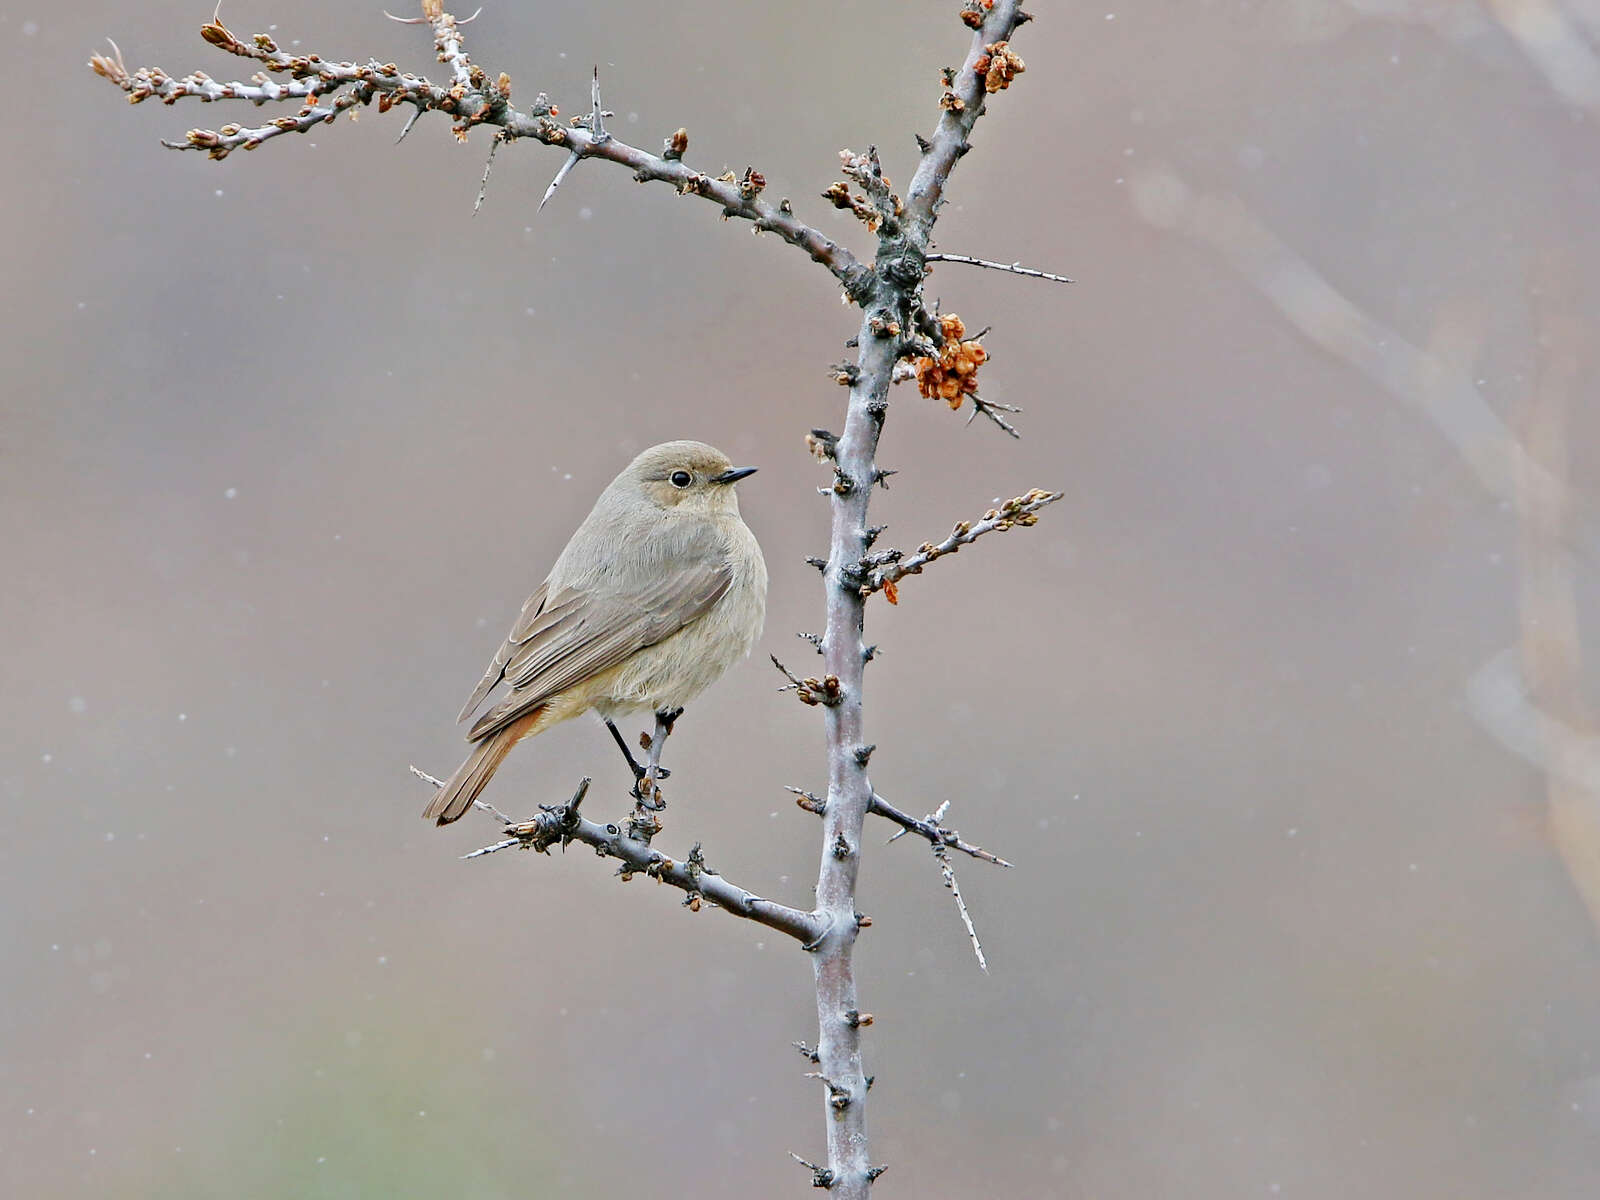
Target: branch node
point(809, 801)
point(821, 1177)
point(822, 444)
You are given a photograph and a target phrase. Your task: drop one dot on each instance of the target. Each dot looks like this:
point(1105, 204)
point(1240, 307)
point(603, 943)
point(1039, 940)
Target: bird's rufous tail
point(471, 777)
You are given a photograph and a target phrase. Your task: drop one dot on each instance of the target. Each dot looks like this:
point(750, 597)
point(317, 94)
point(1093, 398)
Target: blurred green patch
point(354, 1111)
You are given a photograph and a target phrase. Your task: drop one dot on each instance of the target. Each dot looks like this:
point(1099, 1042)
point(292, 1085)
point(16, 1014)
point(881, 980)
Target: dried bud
point(891, 593)
point(973, 12)
point(673, 148)
point(840, 196)
point(109, 68)
point(752, 183)
point(503, 86)
point(215, 33)
point(954, 373)
point(821, 442)
point(1001, 67)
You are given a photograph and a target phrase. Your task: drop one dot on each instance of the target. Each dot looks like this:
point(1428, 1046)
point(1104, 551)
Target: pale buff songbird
point(660, 591)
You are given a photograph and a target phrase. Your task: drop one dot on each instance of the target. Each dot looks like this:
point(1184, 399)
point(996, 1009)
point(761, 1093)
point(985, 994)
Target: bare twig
point(949, 873)
point(481, 804)
point(1019, 510)
point(1012, 268)
point(931, 828)
point(483, 188)
point(821, 1177)
point(657, 742)
point(472, 99)
point(809, 690)
point(992, 409)
point(562, 823)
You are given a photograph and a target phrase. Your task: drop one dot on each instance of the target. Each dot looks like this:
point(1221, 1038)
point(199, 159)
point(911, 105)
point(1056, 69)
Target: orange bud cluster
point(999, 66)
point(954, 373)
point(973, 12)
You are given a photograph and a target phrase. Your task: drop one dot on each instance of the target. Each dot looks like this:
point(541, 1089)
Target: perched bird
point(660, 591)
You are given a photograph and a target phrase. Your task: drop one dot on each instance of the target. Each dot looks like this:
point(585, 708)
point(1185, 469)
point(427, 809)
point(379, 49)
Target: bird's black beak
point(734, 475)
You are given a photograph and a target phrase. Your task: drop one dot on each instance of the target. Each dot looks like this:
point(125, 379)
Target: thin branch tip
point(1013, 268)
point(1019, 510)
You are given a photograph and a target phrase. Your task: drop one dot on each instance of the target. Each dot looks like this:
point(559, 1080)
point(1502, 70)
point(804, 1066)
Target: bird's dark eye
point(681, 479)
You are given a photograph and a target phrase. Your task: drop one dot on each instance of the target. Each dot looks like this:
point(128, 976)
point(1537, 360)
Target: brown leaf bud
point(973, 12)
point(218, 35)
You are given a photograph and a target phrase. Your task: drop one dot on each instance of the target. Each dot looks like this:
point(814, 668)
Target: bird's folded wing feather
point(569, 636)
point(535, 615)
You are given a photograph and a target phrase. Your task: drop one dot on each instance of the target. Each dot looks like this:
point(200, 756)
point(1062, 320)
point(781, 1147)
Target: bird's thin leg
point(622, 744)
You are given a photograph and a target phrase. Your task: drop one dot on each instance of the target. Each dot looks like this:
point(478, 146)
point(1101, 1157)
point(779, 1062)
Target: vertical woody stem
point(849, 790)
point(891, 300)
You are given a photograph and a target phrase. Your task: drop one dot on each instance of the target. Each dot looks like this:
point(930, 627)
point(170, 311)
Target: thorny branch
point(327, 88)
point(888, 567)
point(897, 330)
point(1013, 268)
point(941, 839)
point(948, 871)
point(928, 827)
point(896, 325)
point(563, 823)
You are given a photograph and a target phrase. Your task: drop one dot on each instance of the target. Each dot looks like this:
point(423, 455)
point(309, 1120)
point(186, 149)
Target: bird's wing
point(536, 616)
point(578, 634)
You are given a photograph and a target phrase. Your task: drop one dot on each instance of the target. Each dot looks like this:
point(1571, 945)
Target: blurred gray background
point(1298, 908)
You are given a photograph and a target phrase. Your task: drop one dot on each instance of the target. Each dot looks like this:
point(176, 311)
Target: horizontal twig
point(1012, 268)
point(563, 823)
point(930, 828)
point(473, 98)
point(1019, 510)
